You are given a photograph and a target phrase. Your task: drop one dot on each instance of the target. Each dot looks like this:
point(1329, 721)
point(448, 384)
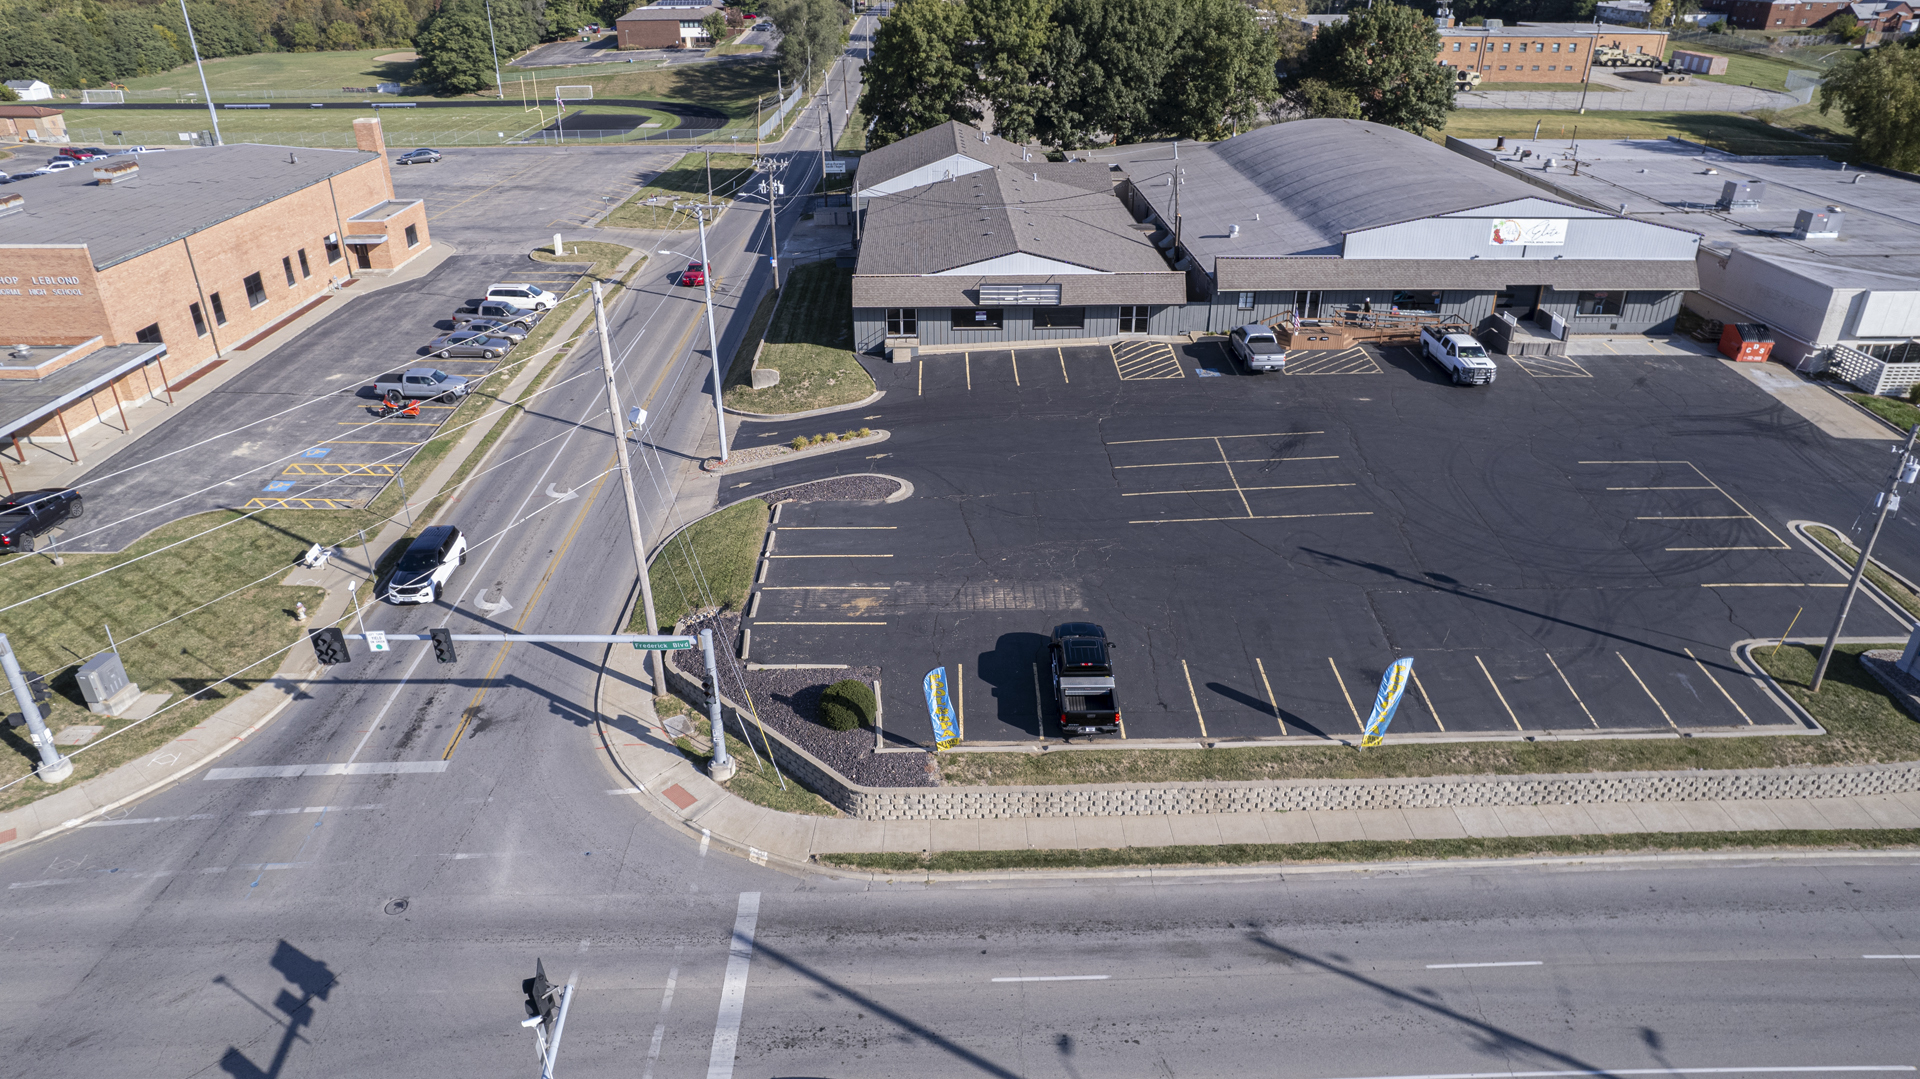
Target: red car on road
point(694, 275)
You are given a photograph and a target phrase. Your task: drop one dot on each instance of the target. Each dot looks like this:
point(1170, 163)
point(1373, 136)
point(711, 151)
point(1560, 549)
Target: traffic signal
point(443, 645)
point(543, 997)
point(37, 686)
point(330, 645)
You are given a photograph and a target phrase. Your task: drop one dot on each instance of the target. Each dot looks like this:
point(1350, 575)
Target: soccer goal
point(573, 93)
point(103, 97)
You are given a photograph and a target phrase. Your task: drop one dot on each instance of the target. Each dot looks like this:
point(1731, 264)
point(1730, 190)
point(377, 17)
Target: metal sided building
point(990, 247)
point(1308, 217)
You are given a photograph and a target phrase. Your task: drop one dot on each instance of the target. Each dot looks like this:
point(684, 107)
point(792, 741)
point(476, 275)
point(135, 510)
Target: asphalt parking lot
point(297, 431)
point(1573, 549)
point(482, 198)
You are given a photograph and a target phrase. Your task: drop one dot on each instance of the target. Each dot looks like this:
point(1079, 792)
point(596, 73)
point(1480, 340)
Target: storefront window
point(903, 322)
point(1135, 318)
point(1417, 300)
point(976, 318)
point(1598, 303)
point(1059, 318)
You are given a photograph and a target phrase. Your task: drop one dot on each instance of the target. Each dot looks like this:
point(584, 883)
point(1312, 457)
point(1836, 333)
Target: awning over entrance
point(367, 240)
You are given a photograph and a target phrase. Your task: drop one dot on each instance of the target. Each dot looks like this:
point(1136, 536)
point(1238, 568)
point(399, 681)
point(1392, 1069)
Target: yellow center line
point(1429, 701)
point(1497, 693)
point(1648, 692)
point(1718, 686)
point(1576, 693)
point(553, 565)
point(1194, 697)
point(1341, 682)
point(1271, 703)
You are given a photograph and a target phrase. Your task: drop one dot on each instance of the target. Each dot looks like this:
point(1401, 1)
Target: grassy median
point(689, 180)
point(1881, 579)
point(963, 861)
point(709, 564)
point(810, 342)
point(755, 779)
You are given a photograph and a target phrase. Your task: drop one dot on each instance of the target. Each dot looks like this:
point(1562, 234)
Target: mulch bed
point(839, 489)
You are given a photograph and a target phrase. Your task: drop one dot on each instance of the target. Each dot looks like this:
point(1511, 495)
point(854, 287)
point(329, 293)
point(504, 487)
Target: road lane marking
point(1767, 1069)
point(829, 556)
point(1776, 584)
point(1890, 957)
point(1649, 692)
point(1209, 438)
point(1569, 684)
point(733, 989)
point(1237, 490)
point(362, 768)
point(1497, 693)
point(1461, 966)
point(1268, 517)
point(1237, 460)
point(758, 623)
point(1058, 978)
point(666, 1000)
point(147, 820)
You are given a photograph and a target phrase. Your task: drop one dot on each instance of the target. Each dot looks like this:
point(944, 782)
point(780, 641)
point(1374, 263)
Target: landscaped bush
point(847, 705)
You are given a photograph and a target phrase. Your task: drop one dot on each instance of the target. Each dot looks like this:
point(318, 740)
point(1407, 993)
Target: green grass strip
point(1372, 850)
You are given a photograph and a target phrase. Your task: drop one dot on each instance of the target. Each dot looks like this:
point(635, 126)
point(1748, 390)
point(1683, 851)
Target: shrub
point(864, 432)
point(847, 704)
point(799, 442)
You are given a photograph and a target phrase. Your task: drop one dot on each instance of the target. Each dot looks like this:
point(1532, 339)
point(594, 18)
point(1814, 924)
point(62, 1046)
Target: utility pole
point(195, 46)
point(626, 484)
point(709, 154)
point(494, 44)
point(826, 135)
point(772, 188)
point(757, 102)
point(722, 766)
point(53, 767)
point(1906, 470)
point(713, 339)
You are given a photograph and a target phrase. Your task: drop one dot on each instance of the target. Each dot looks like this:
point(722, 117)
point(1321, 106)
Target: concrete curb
point(1887, 603)
point(875, 439)
point(774, 417)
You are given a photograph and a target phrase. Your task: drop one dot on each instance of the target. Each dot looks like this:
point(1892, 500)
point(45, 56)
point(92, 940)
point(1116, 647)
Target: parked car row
point(489, 327)
point(71, 157)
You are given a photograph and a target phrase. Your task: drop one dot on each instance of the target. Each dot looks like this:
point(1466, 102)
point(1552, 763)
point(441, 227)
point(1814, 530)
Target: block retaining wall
point(1130, 800)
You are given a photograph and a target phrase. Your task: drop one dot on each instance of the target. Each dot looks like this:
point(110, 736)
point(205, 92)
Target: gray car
point(469, 343)
point(493, 327)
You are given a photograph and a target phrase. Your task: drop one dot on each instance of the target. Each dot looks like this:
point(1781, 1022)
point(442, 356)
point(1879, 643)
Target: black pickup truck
point(28, 515)
point(1083, 679)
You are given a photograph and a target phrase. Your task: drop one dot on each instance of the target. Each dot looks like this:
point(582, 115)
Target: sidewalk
point(663, 782)
point(193, 749)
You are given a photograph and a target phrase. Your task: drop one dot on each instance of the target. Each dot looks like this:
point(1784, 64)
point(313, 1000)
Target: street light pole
point(1906, 470)
point(713, 339)
point(626, 483)
point(499, 87)
point(195, 46)
point(53, 767)
point(722, 767)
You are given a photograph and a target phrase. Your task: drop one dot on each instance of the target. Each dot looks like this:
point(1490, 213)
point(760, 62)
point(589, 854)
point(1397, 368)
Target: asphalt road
point(1575, 548)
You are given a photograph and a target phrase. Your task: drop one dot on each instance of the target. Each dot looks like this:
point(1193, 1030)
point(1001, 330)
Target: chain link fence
point(1696, 98)
point(343, 140)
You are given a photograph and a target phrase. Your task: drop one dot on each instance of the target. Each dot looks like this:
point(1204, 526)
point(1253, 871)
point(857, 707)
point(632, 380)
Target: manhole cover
point(398, 906)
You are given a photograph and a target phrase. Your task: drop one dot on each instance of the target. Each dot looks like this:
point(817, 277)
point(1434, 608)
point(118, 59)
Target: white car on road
point(427, 565)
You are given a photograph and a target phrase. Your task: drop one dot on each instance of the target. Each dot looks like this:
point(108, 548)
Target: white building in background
point(30, 89)
point(1630, 12)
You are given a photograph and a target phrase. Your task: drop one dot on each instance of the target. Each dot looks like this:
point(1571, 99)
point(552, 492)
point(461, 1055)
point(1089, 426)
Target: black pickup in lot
point(1082, 662)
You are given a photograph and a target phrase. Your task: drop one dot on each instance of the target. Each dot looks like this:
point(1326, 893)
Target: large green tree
point(1221, 78)
point(456, 51)
point(1384, 57)
point(1103, 71)
point(1878, 92)
point(813, 35)
point(1008, 40)
point(917, 77)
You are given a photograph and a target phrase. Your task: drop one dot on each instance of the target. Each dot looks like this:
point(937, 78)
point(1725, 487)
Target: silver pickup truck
point(426, 383)
point(1258, 348)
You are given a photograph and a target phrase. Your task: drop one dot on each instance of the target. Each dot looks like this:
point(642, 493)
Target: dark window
point(413, 236)
point(256, 290)
point(219, 309)
point(333, 251)
point(149, 335)
point(976, 318)
point(287, 265)
point(1134, 318)
point(1416, 300)
point(199, 319)
point(304, 272)
point(1059, 318)
point(1598, 303)
point(363, 254)
point(903, 322)
point(1246, 301)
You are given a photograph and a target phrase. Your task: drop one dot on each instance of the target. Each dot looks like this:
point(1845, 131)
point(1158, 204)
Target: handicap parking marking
point(1347, 361)
point(1137, 360)
point(1551, 366)
point(277, 486)
point(301, 504)
point(342, 468)
point(317, 451)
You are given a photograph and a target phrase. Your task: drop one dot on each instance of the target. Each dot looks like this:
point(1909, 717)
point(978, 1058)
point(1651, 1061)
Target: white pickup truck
point(1463, 357)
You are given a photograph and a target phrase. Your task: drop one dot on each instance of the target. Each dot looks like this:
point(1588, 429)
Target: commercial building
point(665, 26)
point(1774, 14)
point(34, 123)
point(1824, 254)
point(1528, 51)
point(992, 244)
point(201, 251)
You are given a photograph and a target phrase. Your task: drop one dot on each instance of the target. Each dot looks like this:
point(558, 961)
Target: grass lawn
point(235, 633)
point(280, 71)
point(962, 861)
point(714, 557)
point(810, 342)
point(755, 780)
point(1892, 409)
point(1764, 70)
point(333, 128)
point(1845, 549)
point(651, 207)
point(1733, 132)
point(853, 136)
point(1863, 726)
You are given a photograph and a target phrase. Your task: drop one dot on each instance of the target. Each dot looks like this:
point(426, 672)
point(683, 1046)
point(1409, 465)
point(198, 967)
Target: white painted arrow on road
point(560, 496)
point(480, 602)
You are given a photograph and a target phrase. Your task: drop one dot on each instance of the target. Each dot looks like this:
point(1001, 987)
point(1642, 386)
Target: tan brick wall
point(51, 295)
point(648, 34)
point(1558, 58)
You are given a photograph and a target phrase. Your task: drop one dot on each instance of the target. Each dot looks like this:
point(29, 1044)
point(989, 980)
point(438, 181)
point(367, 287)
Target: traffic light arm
point(671, 644)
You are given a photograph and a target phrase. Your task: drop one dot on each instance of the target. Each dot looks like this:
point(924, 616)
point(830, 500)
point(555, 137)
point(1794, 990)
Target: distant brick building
point(1774, 14)
point(665, 26)
point(33, 123)
point(1549, 52)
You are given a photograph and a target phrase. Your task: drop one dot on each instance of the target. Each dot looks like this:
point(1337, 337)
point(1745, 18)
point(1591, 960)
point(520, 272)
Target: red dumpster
point(1747, 342)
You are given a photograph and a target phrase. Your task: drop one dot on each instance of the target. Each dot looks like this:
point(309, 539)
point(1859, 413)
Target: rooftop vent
point(22, 352)
point(1495, 24)
point(1818, 224)
point(12, 203)
point(1741, 195)
point(119, 172)
point(1232, 231)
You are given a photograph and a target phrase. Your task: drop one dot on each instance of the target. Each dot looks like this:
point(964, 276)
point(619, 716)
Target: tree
point(1660, 14)
point(916, 79)
point(455, 57)
point(1104, 70)
point(1006, 44)
point(1221, 78)
point(813, 33)
point(1878, 93)
point(1847, 28)
point(1384, 57)
point(1311, 99)
point(716, 27)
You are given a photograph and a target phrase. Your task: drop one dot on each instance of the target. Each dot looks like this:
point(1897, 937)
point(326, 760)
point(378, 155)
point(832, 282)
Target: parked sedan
point(469, 343)
point(695, 275)
point(422, 156)
point(493, 327)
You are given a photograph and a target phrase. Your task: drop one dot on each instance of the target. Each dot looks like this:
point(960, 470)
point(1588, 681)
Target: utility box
point(103, 681)
point(1747, 342)
point(1818, 224)
point(1741, 195)
point(1699, 63)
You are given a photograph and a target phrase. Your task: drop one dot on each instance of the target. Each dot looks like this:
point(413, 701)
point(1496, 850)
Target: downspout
point(213, 329)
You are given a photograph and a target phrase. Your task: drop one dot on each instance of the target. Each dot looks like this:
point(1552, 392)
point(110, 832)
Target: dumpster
point(1748, 342)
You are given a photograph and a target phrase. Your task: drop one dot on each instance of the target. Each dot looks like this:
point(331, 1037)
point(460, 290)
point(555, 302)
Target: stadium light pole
point(195, 46)
point(499, 87)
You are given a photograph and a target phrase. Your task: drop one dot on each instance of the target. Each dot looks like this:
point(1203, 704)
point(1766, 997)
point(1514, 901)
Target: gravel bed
point(786, 699)
point(841, 489)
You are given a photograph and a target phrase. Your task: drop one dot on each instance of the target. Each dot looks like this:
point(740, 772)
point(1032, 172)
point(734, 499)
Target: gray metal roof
point(25, 402)
point(1667, 182)
point(1003, 211)
point(937, 144)
point(1269, 274)
point(1296, 188)
point(674, 12)
point(1076, 290)
point(177, 194)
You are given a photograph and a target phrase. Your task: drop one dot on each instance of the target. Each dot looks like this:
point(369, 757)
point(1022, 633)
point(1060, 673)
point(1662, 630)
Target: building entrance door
point(1306, 305)
point(1519, 301)
point(361, 258)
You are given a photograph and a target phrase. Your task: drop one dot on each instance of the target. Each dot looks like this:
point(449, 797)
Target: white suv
point(427, 565)
point(528, 296)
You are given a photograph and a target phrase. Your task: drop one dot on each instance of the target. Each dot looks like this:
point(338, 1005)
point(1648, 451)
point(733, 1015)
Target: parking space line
point(1762, 548)
point(843, 623)
point(1016, 368)
point(1237, 460)
point(838, 528)
point(1136, 360)
point(340, 468)
point(829, 556)
point(1267, 517)
point(388, 423)
point(1063, 365)
point(1271, 702)
point(1428, 700)
point(1210, 438)
point(1220, 490)
point(1777, 584)
point(1550, 366)
point(1648, 692)
point(300, 504)
point(967, 361)
point(1039, 707)
point(1660, 488)
point(1195, 698)
point(1497, 693)
point(1343, 692)
point(1718, 686)
point(920, 378)
point(813, 587)
point(1233, 478)
point(960, 682)
point(1727, 517)
point(1576, 693)
point(1347, 361)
